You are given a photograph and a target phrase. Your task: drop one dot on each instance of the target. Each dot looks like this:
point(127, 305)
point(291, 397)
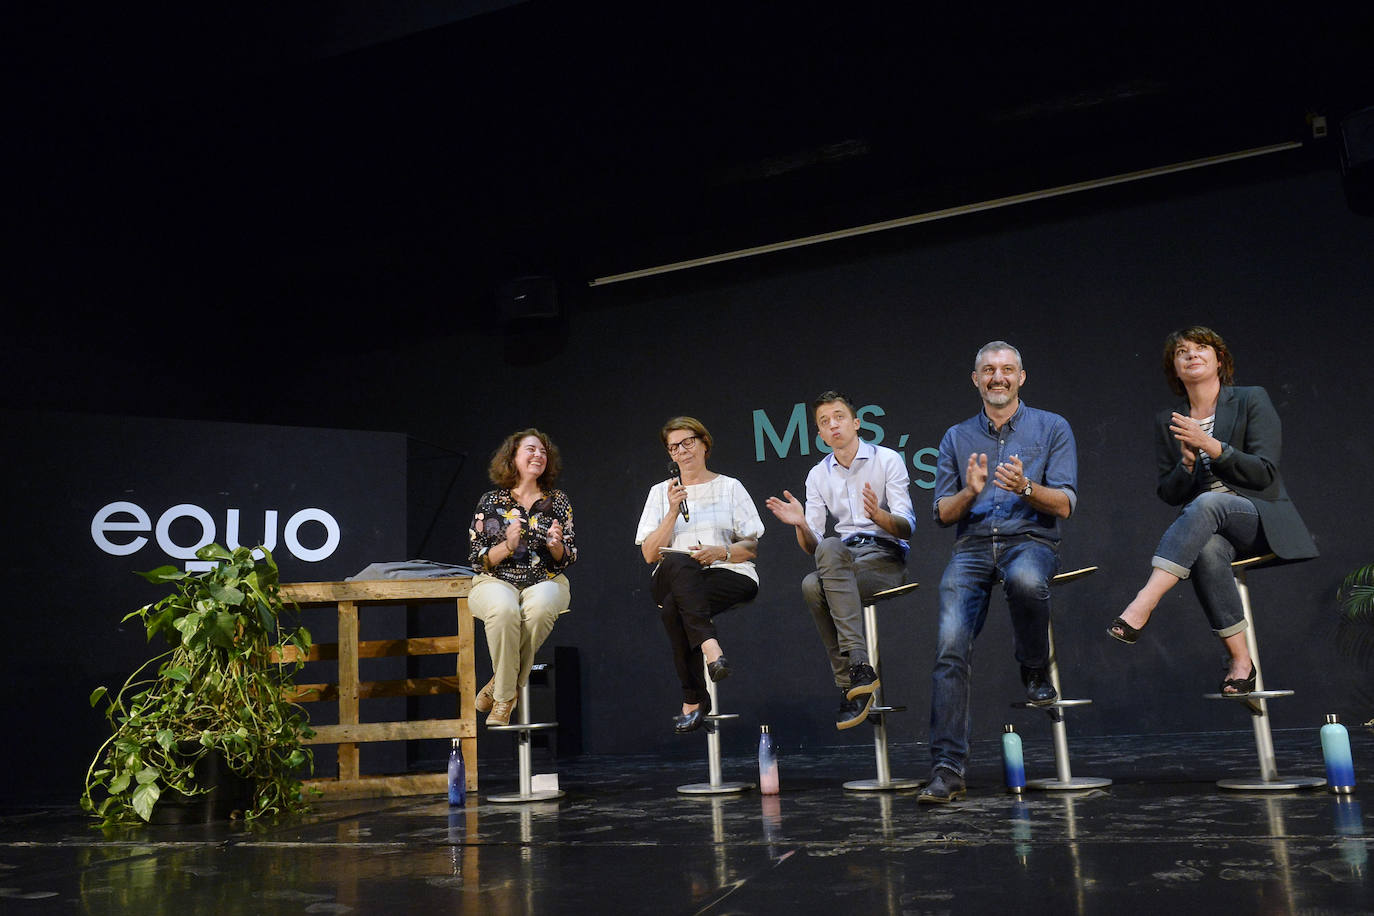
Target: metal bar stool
point(1256, 701)
point(1063, 780)
point(716, 786)
point(884, 781)
point(523, 757)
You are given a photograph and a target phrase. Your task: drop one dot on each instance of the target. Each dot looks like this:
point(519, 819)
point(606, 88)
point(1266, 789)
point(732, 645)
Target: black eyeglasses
point(682, 445)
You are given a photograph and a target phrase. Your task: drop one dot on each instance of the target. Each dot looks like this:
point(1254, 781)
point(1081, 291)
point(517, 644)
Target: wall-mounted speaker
point(529, 297)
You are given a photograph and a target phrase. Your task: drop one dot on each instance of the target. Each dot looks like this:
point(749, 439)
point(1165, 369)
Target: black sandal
point(1240, 686)
point(1128, 634)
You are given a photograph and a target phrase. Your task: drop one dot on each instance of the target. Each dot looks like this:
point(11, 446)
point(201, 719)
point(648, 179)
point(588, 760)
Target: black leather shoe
point(945, 786)
point(719, 669)
point(863, 680)
point(1039, 691)
point(690, 722)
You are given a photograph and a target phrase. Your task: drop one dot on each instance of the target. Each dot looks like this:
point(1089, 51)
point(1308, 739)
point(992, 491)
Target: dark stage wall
point(1087, 289)
point(91, 499)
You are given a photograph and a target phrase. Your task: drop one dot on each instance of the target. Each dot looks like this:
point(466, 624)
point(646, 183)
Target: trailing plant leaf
point(216, 690)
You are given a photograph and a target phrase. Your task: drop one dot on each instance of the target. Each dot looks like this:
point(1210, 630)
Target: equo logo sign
point(113, 523)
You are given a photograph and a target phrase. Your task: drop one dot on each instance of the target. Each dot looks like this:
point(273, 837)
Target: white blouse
point(721, 513)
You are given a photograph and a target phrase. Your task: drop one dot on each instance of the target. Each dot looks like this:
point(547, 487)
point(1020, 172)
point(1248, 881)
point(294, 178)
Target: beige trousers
point(517, 622)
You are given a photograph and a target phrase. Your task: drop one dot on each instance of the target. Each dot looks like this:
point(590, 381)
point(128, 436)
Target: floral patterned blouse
point(532, 562)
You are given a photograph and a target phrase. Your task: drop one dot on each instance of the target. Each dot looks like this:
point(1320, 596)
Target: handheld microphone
point(676, 472)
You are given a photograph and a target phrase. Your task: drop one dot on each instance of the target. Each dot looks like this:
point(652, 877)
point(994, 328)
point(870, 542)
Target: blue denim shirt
point(1044, 443)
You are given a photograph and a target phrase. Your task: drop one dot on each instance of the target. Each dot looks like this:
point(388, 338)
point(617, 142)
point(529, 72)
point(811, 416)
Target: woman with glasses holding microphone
point(700, 531)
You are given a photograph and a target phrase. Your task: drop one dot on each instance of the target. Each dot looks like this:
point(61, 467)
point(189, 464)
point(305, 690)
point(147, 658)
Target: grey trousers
point(835, 594)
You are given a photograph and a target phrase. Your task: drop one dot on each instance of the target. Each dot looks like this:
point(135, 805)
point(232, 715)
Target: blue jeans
point(1202, 543)
point(1025, 566)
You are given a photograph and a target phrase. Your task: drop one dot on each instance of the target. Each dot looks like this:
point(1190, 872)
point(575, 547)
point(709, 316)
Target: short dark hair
point(829, 396)
point(992, 346)
point(502, 471)
point(692, 425)
point(1198, 334)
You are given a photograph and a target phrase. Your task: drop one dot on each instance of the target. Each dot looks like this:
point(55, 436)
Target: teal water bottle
point(1340, 766)
point(1013, 763)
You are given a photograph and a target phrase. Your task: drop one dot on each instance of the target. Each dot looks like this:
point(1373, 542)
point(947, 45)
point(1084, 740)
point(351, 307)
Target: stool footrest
point(1252, 695)
point(522, 727)
point(721, 716)
point(885, 709)
point(1057, 704)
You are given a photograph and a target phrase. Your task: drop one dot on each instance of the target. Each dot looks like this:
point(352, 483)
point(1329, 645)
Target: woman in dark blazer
point(1218, 457)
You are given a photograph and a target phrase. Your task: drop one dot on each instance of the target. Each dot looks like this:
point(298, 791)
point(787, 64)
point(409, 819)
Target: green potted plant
point(1356, 599)
point(213, 701)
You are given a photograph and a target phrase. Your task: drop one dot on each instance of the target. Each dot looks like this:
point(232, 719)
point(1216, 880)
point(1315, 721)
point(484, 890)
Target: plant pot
point(226, 792)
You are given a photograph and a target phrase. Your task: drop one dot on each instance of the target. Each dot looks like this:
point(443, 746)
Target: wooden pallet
point(350, 732)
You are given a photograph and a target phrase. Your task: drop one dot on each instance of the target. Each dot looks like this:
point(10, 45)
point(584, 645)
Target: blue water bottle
point(1013, 764)
point(1340, 766)
point(457, 776)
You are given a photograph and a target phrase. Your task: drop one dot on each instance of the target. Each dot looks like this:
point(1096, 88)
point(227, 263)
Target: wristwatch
point(1027, 491)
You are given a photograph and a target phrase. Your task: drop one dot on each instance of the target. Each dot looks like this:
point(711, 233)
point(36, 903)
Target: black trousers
point(689, 595)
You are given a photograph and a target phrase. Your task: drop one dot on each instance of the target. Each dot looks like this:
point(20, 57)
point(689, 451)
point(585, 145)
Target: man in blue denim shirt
point(1006, 476)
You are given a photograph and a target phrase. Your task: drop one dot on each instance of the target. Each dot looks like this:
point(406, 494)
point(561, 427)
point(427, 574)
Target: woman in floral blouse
point(522, 540)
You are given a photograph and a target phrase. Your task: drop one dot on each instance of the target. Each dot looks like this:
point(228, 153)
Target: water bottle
point(1013, 764)
point(457, 776)
point(1349, 822)
point(768, 763)
point(1021, 830)
point(1340, 767)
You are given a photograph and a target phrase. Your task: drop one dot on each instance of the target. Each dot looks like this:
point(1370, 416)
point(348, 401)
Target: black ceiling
point(225, 159)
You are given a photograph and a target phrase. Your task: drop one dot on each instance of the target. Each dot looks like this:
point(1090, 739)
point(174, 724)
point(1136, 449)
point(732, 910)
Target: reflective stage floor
point(1162, 839)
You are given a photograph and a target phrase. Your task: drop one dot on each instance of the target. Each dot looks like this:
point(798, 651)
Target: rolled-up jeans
point(1202, 543)
point(1024, 565)
point(517, 621)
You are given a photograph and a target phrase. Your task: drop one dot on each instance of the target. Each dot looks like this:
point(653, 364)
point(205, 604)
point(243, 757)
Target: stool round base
point(891, 785)
point(1272, 785)
point(724, 788)
point(532, 797)
point(1074, 784)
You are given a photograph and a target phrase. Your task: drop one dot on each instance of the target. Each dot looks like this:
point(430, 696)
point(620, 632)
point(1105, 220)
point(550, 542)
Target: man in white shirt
point(866, 489)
